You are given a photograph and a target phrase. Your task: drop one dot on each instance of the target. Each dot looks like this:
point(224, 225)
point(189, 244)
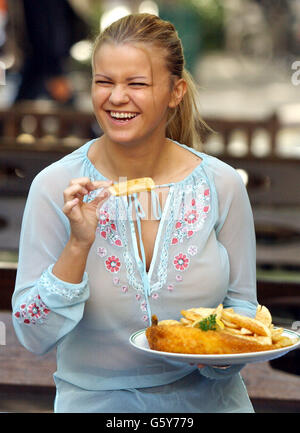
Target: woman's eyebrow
point(137, 77)
point(104, 76)
point(127, 79)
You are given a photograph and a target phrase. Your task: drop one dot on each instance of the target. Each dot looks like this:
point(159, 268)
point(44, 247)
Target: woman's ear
point(178, 92)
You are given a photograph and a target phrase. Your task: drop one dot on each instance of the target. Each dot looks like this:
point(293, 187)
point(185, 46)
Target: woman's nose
point(118, 95)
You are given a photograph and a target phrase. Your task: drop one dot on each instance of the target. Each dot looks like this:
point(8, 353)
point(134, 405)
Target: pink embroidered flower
point(145, 318)
point(124, 289)
point(118, 242)
point(144, 306)
point(116, 281)
point(174, 241)
point(206, 209)
point(206, 192)
point(34, 310)
point(138, 297)
point(192, 250)
point(103, 217)
point(155, 296)
point(181, 262)
point(170, 287)
point(179, 277)
point(113, 264)
point(103, 234)
point(191, 216)
point(101, 251)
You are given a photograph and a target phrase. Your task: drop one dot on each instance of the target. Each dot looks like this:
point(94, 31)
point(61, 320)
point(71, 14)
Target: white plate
point(139, 341)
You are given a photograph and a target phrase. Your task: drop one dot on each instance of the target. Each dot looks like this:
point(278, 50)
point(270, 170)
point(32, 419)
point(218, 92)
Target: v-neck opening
point(156, 242)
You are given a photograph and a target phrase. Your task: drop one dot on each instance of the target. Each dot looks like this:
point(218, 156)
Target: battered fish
point(181, 339)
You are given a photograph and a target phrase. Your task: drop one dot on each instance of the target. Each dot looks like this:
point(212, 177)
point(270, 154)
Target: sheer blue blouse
point(204, 255)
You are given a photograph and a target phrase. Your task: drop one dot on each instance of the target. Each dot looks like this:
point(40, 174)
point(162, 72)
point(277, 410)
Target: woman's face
point(131, 94)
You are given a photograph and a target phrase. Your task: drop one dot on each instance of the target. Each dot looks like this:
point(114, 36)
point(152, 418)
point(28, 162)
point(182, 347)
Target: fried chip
point(186, 322)
point(229, 324)
point(190, 315)
point(276, 334)
point(284, 342)
point(202, 311)
point(218, 311)
point(263, 315)
point(240, 331)
point(254, 325)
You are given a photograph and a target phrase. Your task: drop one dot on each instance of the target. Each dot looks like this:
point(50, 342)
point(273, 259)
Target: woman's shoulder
point(226, 177)
point(69, 166)
point(53, 179)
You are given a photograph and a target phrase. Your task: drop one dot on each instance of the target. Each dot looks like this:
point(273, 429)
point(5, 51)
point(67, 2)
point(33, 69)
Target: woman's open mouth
point(121, 117)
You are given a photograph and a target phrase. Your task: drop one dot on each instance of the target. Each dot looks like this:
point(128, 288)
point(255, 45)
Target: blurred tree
point(199, 24)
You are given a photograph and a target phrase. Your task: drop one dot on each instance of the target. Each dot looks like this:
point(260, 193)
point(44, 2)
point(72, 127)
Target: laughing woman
point(93, 267)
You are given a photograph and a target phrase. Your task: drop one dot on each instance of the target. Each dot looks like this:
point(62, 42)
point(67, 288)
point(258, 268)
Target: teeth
point(119, 115)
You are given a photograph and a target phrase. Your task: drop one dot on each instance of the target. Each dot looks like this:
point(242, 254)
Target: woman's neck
point(133, 162)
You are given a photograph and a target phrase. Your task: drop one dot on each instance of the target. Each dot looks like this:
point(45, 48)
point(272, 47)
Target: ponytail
point(185, 123)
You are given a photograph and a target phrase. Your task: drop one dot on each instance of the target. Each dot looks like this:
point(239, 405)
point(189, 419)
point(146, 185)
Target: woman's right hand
point(83, 216)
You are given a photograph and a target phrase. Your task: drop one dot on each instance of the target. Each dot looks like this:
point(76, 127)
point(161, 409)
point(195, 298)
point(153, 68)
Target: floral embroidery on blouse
point(32, 312)
point(113, 264)
point(181, 262)
point(192, 216)
point(107, 228)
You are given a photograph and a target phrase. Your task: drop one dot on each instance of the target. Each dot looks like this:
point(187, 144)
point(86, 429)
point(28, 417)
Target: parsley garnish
point(208, 324)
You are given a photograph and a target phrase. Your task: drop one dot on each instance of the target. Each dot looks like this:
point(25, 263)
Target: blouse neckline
point(97, 173)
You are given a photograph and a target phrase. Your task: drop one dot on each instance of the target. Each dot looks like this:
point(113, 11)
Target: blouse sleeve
point(235, 231)
point(45, 308)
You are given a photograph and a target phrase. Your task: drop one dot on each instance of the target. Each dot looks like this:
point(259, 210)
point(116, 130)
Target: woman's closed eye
point(110, 83)
point(138, 84)
point(103, 82)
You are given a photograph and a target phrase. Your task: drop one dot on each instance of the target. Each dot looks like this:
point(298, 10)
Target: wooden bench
point(225, 128)
point(26, 382)
point(41, 120)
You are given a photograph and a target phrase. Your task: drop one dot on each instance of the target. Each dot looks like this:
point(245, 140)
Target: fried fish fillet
point(182, 339)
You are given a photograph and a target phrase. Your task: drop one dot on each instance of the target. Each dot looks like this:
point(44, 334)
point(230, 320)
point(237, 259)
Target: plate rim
point(217, 356)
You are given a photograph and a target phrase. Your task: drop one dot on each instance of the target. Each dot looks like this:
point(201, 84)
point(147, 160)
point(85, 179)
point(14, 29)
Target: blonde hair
point(185, 123)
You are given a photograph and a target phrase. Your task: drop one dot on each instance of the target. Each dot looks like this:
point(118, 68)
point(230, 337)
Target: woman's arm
point(52, 285)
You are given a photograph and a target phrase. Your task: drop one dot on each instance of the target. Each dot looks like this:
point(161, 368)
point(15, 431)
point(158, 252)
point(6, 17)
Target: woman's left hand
point(221, 367)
